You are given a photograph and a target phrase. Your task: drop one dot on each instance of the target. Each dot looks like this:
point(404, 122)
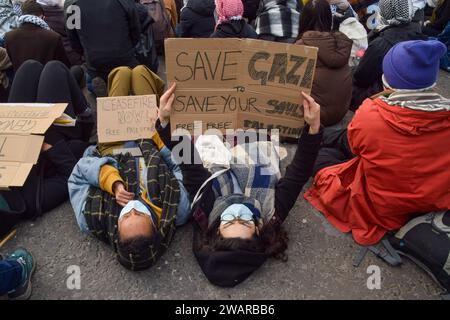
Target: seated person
point(234, 234)
point(332, 87)
point(341, 10)
point(46, 185)
point(140, 198)
point(34, 39)
point(9, 19)
point(54, 16)
point(230, 22)
point(110, 32)
point(439, 19)
point(395, 26)
point(16, 271)
point(197, 19)
point(393, 162)
point(278, 20)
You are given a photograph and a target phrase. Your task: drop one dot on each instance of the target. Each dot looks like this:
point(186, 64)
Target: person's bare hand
point(121, 194)
point(312, 113)
point(165, 104)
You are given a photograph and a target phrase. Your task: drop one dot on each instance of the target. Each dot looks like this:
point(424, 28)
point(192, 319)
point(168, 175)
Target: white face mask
point(138, 206)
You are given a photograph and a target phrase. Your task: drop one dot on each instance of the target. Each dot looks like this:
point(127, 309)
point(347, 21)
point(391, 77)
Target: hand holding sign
point(312, 113)
point(230, 84)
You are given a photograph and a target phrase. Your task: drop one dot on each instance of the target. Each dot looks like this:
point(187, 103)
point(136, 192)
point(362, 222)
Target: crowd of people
point(388, 166)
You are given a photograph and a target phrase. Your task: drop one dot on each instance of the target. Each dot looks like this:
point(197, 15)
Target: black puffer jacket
point(197, 19)
point(235, 29)
point(110, 30)
point(367, 77)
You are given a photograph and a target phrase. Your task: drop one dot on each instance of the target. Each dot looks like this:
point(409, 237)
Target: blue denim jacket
point(86, 174)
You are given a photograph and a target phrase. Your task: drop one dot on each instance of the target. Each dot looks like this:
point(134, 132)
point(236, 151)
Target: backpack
point(161, 26)
point(426, 241)
point(146, 52)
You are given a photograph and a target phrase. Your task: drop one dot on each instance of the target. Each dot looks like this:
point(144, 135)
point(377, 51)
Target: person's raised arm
point(301, 167)
point(194, 174)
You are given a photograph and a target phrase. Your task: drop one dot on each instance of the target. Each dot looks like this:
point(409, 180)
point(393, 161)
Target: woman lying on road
point(235, 233)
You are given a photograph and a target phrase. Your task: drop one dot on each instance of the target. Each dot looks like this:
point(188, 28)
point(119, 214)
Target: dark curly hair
point(270, 241)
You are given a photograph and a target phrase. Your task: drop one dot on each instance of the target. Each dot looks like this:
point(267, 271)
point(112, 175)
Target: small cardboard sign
point(126, 118)
point(21, 137)
point(239, 84)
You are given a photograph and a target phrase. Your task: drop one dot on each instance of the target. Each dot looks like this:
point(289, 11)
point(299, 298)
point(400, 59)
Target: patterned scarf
point(33, 20)
point(229, 10)
point(422, 100)
point(395, 12)
point(102, 211)
point(251, 181)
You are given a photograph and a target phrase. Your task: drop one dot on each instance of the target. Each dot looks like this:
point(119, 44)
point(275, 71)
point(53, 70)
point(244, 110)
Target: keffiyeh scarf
point(33, 20)
point(395, 12)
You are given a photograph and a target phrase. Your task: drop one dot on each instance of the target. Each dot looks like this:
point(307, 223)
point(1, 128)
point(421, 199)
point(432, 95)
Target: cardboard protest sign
point(239, 83)
point(21, 130)
point(126, 118)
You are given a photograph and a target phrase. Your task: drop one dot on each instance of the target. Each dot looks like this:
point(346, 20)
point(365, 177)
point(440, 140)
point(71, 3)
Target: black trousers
point(52, 83)
point(335, 149)
point(46, 186)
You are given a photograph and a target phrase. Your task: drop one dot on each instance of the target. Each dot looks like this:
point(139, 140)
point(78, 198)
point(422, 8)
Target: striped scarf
point(102, 211)
point(422, 100)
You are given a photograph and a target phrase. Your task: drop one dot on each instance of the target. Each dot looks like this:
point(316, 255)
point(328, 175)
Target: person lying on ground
point(34, 40)
point(235, 233)
point(132, 202)
point(393, 161)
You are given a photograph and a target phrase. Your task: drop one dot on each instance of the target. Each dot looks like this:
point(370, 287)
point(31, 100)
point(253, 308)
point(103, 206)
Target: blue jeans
point(10, 276)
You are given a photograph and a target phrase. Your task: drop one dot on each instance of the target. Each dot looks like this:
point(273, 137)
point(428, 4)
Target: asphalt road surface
point(319, 265)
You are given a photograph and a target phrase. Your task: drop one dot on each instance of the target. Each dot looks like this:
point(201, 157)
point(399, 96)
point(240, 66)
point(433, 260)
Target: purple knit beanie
point(413, 65)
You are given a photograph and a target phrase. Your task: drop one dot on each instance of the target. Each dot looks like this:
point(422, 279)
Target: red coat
point(402, 167)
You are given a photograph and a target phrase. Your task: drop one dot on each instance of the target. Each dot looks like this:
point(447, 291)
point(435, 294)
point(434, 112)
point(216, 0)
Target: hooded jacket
point(400, 168)
point(197, 19)
point(367, 77)
point(332, 86)
point(234, 29)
